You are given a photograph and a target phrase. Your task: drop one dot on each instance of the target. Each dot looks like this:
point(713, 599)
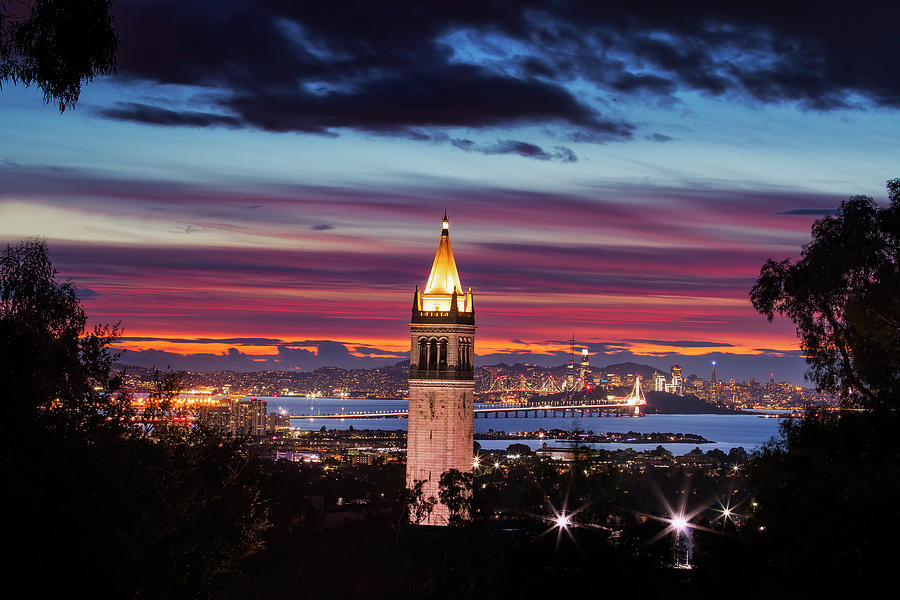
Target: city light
point(679, 523)
point(726, 512)
point(563, 521)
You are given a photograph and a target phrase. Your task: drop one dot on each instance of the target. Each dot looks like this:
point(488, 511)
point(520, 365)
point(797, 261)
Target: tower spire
point(444, 278)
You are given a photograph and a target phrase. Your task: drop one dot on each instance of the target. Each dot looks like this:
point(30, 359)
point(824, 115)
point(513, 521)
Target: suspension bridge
point(546, 384)
point(630, 405)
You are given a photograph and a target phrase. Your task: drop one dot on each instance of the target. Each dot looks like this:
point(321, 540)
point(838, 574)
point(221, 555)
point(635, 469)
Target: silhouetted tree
point(106, 508)
point(420, 506)
point(57, 45)
point(54, 370)
point(456, 493)
point(844, 298)
point(520, 449)
point(824, 520)
point(825, 495)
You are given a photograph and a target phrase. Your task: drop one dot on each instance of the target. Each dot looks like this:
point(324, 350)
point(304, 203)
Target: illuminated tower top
point(443, 299)
point(444, 278)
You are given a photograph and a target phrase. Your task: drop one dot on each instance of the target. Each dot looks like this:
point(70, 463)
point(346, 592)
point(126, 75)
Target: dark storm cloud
point(384, 69)
point(154, 115)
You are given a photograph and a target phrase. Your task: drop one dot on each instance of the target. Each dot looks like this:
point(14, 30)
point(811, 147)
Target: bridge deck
point(502, 409)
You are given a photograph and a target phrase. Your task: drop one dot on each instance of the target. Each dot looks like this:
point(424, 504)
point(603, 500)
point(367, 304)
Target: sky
point(261, 185)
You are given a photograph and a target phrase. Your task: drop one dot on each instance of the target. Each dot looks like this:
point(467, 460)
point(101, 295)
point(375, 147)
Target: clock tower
point(441, 377)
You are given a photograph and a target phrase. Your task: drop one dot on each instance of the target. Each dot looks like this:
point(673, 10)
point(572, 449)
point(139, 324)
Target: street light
point(683, 548)
point(563, 521)
point(679, 523)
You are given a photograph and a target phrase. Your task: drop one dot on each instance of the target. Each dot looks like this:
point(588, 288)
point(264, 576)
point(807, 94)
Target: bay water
point(727, 431)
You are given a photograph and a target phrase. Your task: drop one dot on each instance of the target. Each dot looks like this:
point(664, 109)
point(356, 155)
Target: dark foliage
point(826, 493)
point(844, 297)
point(96, 506)
point(456, 493)
point(57, 45)
point(826, 521)
point(53, 370)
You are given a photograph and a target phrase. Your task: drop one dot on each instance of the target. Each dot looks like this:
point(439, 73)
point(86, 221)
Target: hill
point(665, 403)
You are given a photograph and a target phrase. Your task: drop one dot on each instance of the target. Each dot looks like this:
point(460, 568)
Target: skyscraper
point(659, 382)
point(713, 386)
point(586, 375)
point(677, 380)
point(248, 417)
point(441, 377)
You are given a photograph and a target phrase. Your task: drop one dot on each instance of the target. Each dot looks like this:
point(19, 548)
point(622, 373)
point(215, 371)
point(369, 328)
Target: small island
point(610, 437)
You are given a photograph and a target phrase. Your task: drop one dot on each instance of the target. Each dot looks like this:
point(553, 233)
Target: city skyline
point(229, 224)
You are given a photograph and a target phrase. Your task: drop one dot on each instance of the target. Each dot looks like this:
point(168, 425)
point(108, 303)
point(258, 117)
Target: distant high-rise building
point(659, 382)
point(677, 385)
point(279, 422)
point(570, 368)
point(216, 417)
point(586, 375)
point(441, 378)
point(248, 417)
point(713, 386)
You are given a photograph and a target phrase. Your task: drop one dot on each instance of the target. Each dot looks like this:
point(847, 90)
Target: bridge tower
point(441, 377)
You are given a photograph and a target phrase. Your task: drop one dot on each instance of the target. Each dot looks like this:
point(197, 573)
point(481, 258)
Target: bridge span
point(505, 410)
point(631, 405)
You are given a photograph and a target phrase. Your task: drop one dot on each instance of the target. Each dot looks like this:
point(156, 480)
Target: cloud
point(240, 341)
point(305, 355)
point(558, 154)
point(322, 227)
point(808, 211)
point(383, 69)
point(155, 115)
point(682, 343)
point(286, 356)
